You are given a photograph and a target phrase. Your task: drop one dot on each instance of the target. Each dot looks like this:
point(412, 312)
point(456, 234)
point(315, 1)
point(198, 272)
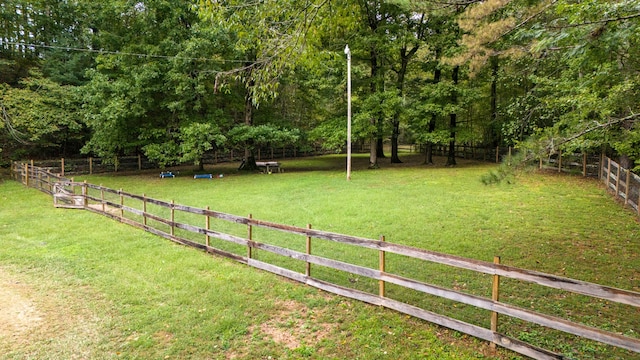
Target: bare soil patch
point(45, 322)
point(18, 313)
point(293, 325)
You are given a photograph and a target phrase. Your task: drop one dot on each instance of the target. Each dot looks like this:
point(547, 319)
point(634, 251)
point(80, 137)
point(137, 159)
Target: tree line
point(174, 80)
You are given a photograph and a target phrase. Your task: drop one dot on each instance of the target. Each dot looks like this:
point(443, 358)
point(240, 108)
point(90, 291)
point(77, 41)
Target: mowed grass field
point(90, 287)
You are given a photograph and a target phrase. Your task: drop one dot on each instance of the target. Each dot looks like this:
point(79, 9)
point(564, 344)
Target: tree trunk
point(380, 142)
point(429, 149)
point(373, 155)
point(437, 74)
point(494, 136)
point(451, 158)
point(394, 142)
point(249, 159)
point(395, 134)
point(373, 151)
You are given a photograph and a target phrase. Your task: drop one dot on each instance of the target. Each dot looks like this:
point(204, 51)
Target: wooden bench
point(269, 166)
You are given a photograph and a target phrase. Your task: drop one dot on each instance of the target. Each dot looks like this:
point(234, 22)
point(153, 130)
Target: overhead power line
point(108, 52)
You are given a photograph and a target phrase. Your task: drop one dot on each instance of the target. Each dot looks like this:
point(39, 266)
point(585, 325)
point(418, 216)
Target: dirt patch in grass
point(44, 323)
point(18, 313)
point(292, 325)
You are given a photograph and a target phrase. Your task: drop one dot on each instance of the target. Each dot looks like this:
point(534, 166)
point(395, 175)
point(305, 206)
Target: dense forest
point(173, 79)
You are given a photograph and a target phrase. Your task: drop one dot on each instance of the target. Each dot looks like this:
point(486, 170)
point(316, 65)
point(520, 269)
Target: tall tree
point(38, 106)
point(267, 38)
point(586, 57)
point(412, 29)
point(153, 80)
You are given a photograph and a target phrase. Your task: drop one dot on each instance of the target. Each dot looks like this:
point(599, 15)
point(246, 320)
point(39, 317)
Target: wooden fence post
point(584, 164)
point(495, 296)
point(90, 165)
point(608, 170)
point(626, 188)
point(38, 179)
point(207, 226)
point(144, 209)
point(173, 218)
point(617, 181)
point(26, 174)
point(85, 202)
point(601, 167)
point(308, 265)
point(62, 166)
point(102, 197)
point(34, 173)
point(381, 261)
point(121, 203)
point(250, 238)
point(509, 158)
point(115, 164)
point(559, 160)
point(139, 162)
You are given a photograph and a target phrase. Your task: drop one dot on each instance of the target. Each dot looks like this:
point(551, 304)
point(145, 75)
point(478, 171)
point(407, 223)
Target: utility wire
point(108, 52)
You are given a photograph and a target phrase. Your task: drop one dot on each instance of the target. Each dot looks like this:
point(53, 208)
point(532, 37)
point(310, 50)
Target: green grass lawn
point(143, 297)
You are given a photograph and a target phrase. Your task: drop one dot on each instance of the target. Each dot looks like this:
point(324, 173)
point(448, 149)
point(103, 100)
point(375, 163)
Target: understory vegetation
point(174, 80)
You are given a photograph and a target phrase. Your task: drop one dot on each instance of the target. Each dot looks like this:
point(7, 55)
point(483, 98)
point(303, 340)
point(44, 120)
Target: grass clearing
point(159, 299)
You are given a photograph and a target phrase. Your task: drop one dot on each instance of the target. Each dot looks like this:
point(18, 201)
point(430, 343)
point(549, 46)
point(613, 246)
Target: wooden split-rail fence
point(622, 182)
point(118, 205)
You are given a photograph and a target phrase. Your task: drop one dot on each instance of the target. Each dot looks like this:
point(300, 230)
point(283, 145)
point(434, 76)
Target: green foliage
point(265, 40)
point(41, 113)
point(197, 139)
point(252, 137)
point(164, 154)
point(121, 77)
point(512, 166)
point(629, 144)
point(579, 79)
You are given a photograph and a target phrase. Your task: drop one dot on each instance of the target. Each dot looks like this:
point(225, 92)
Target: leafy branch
point(614, 121)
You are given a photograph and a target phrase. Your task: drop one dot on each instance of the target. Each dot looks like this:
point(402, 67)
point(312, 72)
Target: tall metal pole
point(348, 53)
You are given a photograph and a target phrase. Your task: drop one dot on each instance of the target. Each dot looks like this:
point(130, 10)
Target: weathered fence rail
point(91, 165)
point(622, 182)
point(134, 210)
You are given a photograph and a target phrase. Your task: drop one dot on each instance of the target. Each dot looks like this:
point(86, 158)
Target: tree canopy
point(174, 80)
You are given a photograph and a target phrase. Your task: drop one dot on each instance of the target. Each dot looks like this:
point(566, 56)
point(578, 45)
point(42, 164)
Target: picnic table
point(268, 166)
